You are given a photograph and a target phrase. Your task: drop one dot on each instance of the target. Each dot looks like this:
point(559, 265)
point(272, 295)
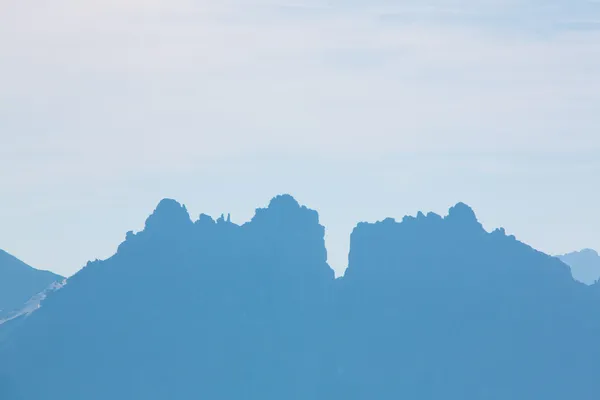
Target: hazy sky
point(362, 109)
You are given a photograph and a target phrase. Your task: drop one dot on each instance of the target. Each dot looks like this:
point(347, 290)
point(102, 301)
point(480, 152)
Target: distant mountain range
point(19, 283)
point(431, 307)
point(585, 265)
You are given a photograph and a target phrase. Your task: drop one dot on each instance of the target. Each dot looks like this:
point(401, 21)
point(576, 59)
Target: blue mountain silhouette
point(431, 307)
point(438, 308)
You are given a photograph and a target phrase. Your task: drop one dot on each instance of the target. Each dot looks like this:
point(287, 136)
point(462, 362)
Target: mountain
point(185, 309)
point(19, 283)
point(436, 307)
point(430, 307)
point(585, 265)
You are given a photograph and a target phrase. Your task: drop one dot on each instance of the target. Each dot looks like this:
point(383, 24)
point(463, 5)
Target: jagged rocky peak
point(462, 214)
point(168, 215)
point(170, 219)
point(284, 209)
point(420, 218)
point(295, 232)
point(205, 220)
point(501, 232)
point(388, 245)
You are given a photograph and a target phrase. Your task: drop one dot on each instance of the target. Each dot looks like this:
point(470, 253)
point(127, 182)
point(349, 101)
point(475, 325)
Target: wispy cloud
point(142, 78)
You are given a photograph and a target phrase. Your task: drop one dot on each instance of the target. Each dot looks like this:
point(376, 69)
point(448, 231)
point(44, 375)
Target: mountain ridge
point(430, 307)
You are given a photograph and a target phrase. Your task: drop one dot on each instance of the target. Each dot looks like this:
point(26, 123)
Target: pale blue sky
point(360, 109)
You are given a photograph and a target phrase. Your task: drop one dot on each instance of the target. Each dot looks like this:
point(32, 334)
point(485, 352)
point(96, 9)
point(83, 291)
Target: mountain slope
point(19, 282)
point(585, 265)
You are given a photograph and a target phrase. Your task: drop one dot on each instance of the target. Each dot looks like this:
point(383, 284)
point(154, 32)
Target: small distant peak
point(463, 215)
point(167, 215)
point(420, 215)
point(589, 252)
